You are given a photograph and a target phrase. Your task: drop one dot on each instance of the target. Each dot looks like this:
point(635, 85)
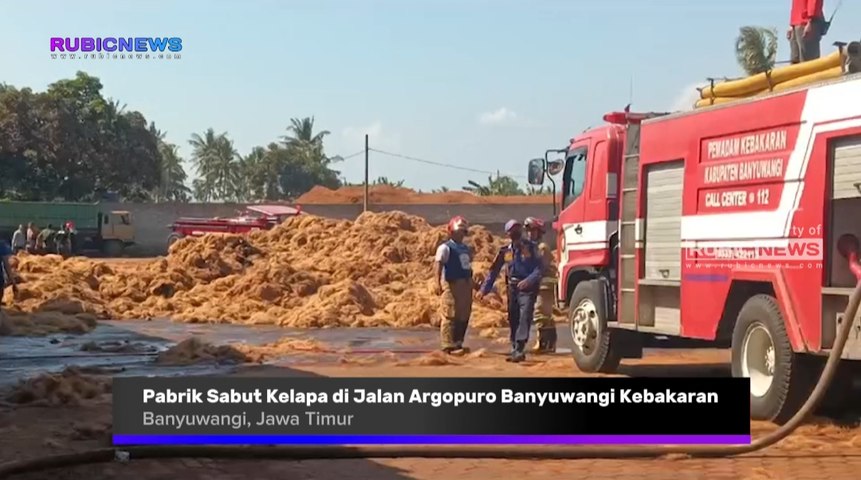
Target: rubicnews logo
point(787, 253)
point(116, 48)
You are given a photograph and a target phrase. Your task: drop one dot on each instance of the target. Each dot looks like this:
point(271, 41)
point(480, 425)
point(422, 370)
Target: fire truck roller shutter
point(845, 203)
point(663, 220)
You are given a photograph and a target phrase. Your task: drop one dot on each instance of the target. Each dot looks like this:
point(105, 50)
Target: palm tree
point(259, 176)
point(217, 165)
point(302, 133)
point(307, 145)
point(756, 49)
point(172, 187)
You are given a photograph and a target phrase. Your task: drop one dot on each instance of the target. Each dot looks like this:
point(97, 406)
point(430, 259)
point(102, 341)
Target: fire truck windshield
point(574, 178)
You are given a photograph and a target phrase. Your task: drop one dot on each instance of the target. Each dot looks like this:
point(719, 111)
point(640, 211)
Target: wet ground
point(128, 348)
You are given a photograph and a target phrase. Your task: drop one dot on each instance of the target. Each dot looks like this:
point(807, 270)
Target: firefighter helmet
point(511, 225)
point(458, 224)
point(532, 223)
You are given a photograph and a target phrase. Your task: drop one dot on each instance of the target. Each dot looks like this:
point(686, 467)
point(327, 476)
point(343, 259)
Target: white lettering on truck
point(744, 171)
point(747, 145)
point(726, 199)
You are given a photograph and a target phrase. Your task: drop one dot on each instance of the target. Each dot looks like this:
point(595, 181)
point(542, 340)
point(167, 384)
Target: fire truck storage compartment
point(663, 189)
point(845, 158)
point(845, 205)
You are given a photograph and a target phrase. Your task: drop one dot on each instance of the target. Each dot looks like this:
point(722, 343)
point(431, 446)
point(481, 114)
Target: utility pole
point(365, 204)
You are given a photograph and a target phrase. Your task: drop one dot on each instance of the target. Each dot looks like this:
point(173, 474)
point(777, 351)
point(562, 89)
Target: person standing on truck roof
point(7, 273)
point(544, 302)
point(454, 265)
point(19, 240)
point(806, 24)
point(523, 274)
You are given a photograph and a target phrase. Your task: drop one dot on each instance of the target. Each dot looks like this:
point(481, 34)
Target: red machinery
point(255, 217)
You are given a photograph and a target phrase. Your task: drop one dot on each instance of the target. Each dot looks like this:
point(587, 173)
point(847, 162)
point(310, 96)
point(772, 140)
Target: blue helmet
point(510, 225)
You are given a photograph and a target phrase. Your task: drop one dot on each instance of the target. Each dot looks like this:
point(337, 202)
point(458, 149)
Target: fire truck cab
point(722, 225)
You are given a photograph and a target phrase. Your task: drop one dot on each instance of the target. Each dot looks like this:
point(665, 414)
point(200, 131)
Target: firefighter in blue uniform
point(524, 267)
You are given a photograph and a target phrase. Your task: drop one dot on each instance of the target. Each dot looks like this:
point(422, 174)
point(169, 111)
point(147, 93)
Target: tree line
point(70, 143)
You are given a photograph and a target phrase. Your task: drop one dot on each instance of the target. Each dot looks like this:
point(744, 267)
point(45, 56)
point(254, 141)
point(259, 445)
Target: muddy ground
point(74, 422)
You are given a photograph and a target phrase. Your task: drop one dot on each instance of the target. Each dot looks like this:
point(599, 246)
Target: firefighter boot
point(519, 353)
point(512, 352)
point(546, 340)
point(460, 328)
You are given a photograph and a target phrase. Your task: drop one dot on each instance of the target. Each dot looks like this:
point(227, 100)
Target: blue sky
point(480, 83)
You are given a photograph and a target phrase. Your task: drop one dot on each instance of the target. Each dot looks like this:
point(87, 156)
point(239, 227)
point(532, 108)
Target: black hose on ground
point(421, 451)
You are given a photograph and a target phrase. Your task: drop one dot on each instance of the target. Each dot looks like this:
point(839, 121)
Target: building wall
point(152, 220)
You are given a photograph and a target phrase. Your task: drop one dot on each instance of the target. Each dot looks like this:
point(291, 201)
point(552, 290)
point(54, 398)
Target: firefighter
point(544, 302)
point(524, 268)
point(454, 265)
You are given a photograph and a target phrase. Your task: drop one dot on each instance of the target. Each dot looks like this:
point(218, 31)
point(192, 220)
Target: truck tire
point(779, 378)
point(113, 248)
point(593, 350)
point(173, 238)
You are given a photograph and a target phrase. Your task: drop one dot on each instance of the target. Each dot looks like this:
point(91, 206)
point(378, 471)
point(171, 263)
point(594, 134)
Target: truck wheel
point(173, 238)
point(593, 349)
point(113, 248)
point(779, 381)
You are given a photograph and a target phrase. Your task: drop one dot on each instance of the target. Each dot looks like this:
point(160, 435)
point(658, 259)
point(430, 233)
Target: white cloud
point(499, 116)
point(686, 98)
point(377, 136)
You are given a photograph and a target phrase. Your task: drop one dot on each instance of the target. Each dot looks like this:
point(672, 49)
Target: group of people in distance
point(527, 264)
point(47, 240)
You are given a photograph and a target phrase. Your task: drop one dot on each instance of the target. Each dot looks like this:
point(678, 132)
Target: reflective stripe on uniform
point(548, 283)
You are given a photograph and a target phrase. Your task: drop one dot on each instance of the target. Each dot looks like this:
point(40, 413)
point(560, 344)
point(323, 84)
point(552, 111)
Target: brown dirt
point(17, 323)
point(193, 350)
point(71, 387)
point(307, 272)
point(285, 346)
point(389, 195)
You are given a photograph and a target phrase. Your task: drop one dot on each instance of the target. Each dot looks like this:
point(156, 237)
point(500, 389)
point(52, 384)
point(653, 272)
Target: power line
point(440, 164)
point(349, 156)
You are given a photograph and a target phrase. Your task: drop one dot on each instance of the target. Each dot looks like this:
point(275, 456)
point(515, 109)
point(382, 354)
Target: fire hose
point(104, 455)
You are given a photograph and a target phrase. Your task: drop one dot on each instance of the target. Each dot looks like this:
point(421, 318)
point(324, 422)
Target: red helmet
point(458, 224)
point(532, 223)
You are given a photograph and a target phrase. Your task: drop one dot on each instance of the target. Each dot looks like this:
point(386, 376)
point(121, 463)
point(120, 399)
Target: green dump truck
point(106, 231)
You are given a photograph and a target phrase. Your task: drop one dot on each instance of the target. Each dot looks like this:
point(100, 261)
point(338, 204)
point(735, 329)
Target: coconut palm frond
point(756, 49)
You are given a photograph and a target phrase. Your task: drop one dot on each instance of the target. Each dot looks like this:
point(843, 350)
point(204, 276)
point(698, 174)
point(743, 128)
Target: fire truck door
point(574, 227)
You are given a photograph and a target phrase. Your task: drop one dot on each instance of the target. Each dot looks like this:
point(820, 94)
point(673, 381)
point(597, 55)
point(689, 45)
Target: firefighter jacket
point(522, 262)
point(548, 278)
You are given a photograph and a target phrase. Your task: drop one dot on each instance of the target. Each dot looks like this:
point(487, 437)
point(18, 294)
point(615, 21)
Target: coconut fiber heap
point(307, 272)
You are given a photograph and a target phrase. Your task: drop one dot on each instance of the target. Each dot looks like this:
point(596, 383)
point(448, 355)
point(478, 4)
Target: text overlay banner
point(430, 406)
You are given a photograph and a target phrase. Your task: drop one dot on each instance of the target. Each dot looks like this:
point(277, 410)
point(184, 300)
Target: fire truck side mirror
point(554, 167)
point(536, 171)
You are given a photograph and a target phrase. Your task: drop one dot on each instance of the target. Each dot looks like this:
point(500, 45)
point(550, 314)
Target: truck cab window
point(574, 180)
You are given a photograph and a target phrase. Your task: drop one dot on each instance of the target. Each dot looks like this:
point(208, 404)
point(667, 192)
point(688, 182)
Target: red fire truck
point(255, 217)
point(720, 224)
